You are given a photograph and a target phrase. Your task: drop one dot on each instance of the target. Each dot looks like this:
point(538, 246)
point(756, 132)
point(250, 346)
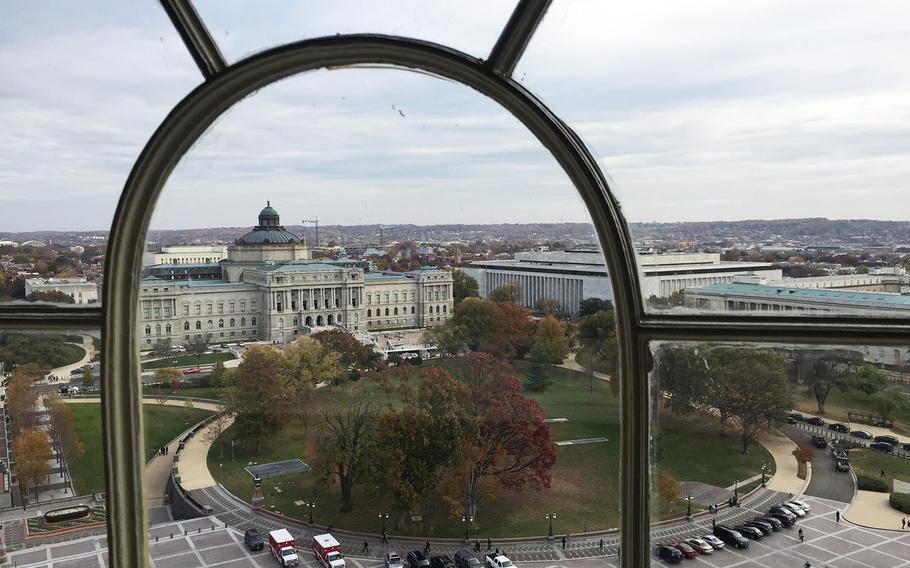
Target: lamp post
point(467, 520)
point(310, 505)
point(736, 492)
point(383, 517)
point(764, 470)
point(585, 512)
point(550, 517)
point(689, 507)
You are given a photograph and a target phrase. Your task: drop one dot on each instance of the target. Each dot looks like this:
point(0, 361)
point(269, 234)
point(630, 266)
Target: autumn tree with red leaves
point(507, 445)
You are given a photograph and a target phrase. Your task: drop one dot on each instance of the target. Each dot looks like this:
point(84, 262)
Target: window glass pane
point(243, 28)
point(708, 116)
point(83, 90)
point(766, 436)
point(478, 315)
point(51, 457)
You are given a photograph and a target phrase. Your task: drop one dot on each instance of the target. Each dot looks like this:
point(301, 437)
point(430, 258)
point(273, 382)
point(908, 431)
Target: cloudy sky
point(697, 111)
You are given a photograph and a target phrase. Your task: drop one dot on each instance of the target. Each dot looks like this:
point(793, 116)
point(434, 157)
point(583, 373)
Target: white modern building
point(572, 275)
point(79, 289)
point(267, 288)
point(186, 254)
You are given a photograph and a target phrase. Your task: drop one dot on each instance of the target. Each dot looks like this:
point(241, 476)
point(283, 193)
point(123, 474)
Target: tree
point(822, 370)
point(887, 404)
point(547, 306)
point(551, 346)
point(513, 331)
point(258, 396)
point(507, 443)
point(510, 292)
point(448, 339)
point(307, 364)
point(750, 387)
point(21, 397)
point(346, 440)
point(684, 375)
point(164, 350)
point(88, 377)
point(197, 347)
point(867, 379)
point(590, 306)
point(474, 318)
point(64, 428)
point(593, 329)
point(352, 353)
point(55, 296)
point(463, 286)
point(421, 441)
point(168, 376)
point(216, 377)
point(669, 487)
point(33, 452)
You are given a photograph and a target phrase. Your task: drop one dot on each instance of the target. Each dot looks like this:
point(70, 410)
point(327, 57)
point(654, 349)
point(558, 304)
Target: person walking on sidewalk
point(563, 543)
point(801, 537)
point(489, 544)
point(837, 516)
point(366, 548)
point(903, 524)
point(883, 473)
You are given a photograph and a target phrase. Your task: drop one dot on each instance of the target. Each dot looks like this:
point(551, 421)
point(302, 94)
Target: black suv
point(882, 447)
point(441, 561)
point(731, 536)
point(888, 440)
point(815, 421)
point(670, 554)
point(466, 559)
point(785, 516)
point(253, 540)
point(838, 427)
point(819, 442)
point(416, 559)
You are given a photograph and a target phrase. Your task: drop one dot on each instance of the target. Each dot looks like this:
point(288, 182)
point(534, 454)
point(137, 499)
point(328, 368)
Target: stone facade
point(270, 291)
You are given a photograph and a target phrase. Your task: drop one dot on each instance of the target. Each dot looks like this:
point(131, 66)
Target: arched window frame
point(226, 84)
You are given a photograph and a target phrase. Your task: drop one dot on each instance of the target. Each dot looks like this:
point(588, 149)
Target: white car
point(715, 542)
point(797, 510)
point(801, 504)
point(700, 545)
point(393, 560)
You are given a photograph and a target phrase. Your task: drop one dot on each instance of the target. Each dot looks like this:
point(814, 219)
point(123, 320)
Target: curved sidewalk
point(63, 373)
point(785, 478)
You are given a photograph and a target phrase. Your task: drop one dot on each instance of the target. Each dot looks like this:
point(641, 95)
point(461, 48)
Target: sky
point(697, 111)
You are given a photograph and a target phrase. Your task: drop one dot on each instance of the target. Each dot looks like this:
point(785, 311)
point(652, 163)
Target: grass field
point(840, 402)
point(162, 424)
point(187, 360)
point(584, 490)
point(191, 392)
point(871, 464)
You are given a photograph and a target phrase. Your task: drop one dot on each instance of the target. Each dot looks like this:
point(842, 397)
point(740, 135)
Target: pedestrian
point(801, 537)
point(601, 545)
point(385, 537)
point(883, 473)
point(713, 523)
point(836, 516)
point(496, 552)
point(476, 546)
point(903, 524)
point(366, 548)
point(426, 548)
point(563, 543)
point(807, 565)
point(489, 544)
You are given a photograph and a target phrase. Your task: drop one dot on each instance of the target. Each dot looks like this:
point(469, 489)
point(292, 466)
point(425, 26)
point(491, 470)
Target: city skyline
point(718, 113)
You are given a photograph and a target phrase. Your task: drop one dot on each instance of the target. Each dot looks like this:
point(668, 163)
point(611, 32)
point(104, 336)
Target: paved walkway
point(194, 469)
point(573, 365)
point(63, 373)
point(872, 509)
point(785, 477)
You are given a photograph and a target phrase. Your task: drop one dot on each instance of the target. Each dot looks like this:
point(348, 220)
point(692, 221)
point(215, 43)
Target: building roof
point(819, 295)
point(268, 231)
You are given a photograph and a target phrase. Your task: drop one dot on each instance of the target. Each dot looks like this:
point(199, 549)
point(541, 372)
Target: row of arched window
point(209, 325)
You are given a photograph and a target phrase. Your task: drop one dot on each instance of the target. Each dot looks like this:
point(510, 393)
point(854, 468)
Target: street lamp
point(310, 505)
point(467, 520)
point(585, 512)
point(688, 506)
point(736, 492)
point(383, 517)
point(550, 517)
point(764, 469)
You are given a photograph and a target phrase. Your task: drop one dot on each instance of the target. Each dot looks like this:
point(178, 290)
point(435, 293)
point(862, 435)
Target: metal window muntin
point(121, 399)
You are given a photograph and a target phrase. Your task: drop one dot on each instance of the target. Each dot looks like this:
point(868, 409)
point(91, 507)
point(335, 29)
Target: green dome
point(268, 231)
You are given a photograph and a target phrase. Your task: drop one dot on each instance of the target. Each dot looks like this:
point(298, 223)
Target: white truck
point(498, 561)
point(328, 550)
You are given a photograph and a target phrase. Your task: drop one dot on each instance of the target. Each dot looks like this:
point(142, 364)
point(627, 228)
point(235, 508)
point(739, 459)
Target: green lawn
point(187, 361)
point(584, 489)
point(190, 392)
point(871, 464)
point(840, 402)
point(162, 424)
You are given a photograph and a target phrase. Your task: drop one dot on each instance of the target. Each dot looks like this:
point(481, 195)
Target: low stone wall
point(183, 506)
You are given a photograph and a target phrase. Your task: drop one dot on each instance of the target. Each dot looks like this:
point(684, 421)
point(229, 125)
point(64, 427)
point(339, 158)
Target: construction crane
point(315, 222)
point(383, 228)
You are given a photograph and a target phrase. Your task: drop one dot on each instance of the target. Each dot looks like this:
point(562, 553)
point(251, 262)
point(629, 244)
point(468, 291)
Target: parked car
point(64, 389)
point(441, 561)
point(765, 528)
point(772, 521)
point(783, 514)
point(466, 559)
point(496, 560)
point(838, 453)
point(749, 532)
point(393, 560)
point(815, 421)
point(841, 464)
point(731, 537)
point(686, 550)
point(887, 439)
point(792, 419)
point(796, 416)
point(670, 554)
point(700, 545)
point(906, 446)
point(861, 434)
point(416, 559)
point(715, 542)
point(253, 540)
point(882, 447)
point(819, 442)
point(794, 508)
point(801, 504)
point(838, 427)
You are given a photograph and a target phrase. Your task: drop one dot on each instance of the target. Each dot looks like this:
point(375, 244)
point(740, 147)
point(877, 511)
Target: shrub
point(866, 483)
point(901, 502)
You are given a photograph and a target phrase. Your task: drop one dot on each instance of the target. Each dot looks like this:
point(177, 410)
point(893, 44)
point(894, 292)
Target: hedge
point(867, 483)
point(901, 502)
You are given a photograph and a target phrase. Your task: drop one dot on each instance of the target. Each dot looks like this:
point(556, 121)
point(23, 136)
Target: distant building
point(33, 243)
point(5, 243)
point(268, 288)
point(186, 254)
point(573, 275)
point(79, 289)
